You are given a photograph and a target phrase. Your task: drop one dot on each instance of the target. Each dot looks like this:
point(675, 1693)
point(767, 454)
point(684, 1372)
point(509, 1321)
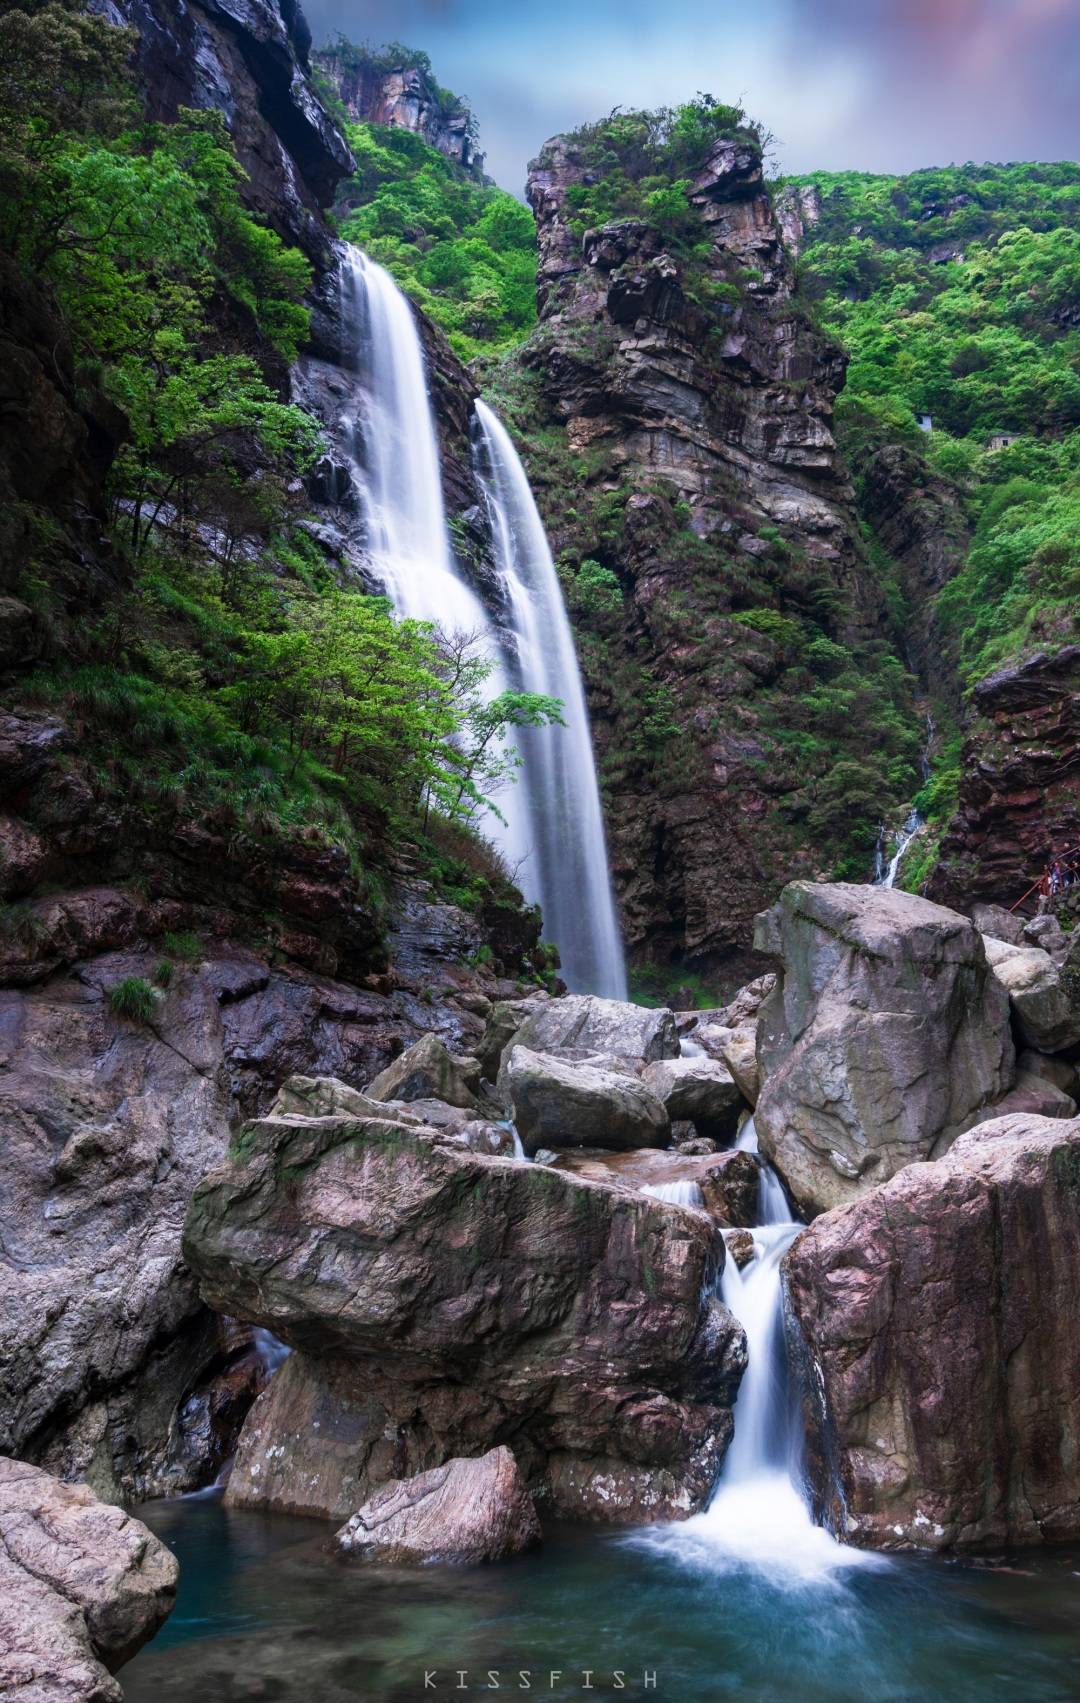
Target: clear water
point(566, 871)
point(263, 1613)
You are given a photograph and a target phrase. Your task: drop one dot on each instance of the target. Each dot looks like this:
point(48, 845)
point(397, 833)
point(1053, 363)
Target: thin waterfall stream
point(758, 1517)
point(567, 868)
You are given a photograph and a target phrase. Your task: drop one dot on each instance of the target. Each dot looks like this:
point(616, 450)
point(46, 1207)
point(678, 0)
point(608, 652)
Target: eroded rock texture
point(886, 1031)
point(697, 422)
point(942, 1355)
point(82, 1587)
point(444, 1303)
point(464, 1511)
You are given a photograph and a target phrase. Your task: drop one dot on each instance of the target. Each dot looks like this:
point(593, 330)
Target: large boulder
point(939, 1320)
point(886, 1032)
point(723, 1184)
point(729, 1035)
point(82, 1587)
point(558, 1102)
point(463, 1511)
point(1046, 1018)
point(428, 1071)
point(611, 1026)
point(700, 1090)
point(445, 1302)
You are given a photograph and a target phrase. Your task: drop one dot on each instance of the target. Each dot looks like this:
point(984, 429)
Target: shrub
point(133, 997)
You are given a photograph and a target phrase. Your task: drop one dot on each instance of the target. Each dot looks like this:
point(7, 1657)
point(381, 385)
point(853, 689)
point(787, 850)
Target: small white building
point(1001, 440)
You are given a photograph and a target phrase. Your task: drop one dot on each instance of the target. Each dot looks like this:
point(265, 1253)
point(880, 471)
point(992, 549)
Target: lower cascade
point(758, 1516)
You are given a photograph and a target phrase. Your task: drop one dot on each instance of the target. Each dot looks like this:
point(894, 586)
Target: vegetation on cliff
point(954, 291)
point(226, 675)
point(463, 250)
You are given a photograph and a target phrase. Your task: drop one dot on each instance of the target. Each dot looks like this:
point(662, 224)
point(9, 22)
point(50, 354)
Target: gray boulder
point(465, 1511)
point(886, 1032)
point(699, 1089)
point(634, 1032)
point(429, 1071)
point(561, 1103)
point(82, 1587)
point(1046, 1018)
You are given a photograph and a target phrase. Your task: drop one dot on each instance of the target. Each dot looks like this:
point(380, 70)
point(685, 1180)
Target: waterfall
point(567, 867)
point(885, 873)
point(758, 1518)
point(685, 1193)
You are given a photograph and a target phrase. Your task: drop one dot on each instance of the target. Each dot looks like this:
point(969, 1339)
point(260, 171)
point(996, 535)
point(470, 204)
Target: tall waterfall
point(567, 867)
point(396, 455)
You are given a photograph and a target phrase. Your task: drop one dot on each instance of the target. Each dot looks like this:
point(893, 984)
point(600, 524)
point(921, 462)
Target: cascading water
point(757, 1517)
point(885, 873)
point(566, 871)
point(685, 1193)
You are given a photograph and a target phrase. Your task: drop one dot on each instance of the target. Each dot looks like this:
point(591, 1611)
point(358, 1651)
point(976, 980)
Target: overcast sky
point(881, 85)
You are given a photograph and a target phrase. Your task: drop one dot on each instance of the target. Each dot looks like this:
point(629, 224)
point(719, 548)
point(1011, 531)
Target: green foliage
point(133, 997)
point(954, 291)
point(462, 249)
point(185, 946)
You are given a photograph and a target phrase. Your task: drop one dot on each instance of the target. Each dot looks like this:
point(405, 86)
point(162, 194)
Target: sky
point(875, 85)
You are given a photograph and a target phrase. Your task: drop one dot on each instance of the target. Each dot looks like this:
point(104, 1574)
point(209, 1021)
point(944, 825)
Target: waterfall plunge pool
point(263, 1613)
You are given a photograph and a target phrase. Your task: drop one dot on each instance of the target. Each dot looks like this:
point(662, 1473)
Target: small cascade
point(270, 1353)
point(566, 871)
point(758, 1518)
point(886, 871)
point(685, 1193)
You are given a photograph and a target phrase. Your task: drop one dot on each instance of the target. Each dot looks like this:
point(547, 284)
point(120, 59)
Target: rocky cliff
point(397, 88)
point(676, 408)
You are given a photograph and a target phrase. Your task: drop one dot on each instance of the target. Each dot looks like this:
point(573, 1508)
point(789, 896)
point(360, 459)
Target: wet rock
point(727, 1182)
point(443, 1303)
point(740, 1246)
point(82, 1587)
point(699, 1089)
point(631, 1032)
point(886, 1032)
point(558, 1103)
point(938, 1314)
point(465, 1511)
point(428, 1071)
point(1046, 1018)
point(729, 1035)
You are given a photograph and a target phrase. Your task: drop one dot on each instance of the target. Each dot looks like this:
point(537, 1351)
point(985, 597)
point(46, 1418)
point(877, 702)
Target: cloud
point(878, 84)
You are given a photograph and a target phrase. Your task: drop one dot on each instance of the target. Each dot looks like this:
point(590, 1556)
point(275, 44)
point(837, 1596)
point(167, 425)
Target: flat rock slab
point(465, 1511)
point(726, 1183)
point(943, 1375)
point(82, 1587)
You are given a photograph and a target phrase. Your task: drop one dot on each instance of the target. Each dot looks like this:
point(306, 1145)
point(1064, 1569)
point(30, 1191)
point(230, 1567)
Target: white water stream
point(553, 835)
point(758, 1518)
point(567, 867)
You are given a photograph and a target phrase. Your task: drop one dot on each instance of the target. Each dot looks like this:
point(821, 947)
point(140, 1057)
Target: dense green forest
point(464, 250)
point(229, 673)
point(955, 293)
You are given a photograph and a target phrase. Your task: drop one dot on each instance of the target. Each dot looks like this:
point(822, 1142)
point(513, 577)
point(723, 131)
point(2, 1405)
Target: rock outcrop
point(701, 1091)
point(1020, 782)
point(82, 1587)
point(636, 1033)
point(697, 422)
point(444, 1303)
point(429, 1071)
point(1047, 1019)
point(465, 1511)
point(941, 1351)
point(727, 1182)
point(886, 1032)
point(109, 1364)
point(404, 96)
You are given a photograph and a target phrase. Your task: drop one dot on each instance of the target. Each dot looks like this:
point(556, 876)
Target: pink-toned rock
point(464, 1511)
point(82, 1587)
point(939, 1315)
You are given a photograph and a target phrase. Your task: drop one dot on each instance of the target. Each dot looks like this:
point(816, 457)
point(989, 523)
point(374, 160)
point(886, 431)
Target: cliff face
point(403, 97)
point(697, 426)
point(1020, 782)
